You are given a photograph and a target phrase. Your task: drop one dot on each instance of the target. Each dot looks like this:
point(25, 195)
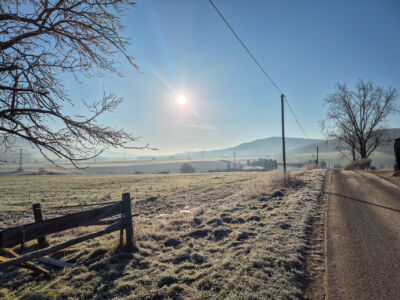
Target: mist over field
point(299, 151)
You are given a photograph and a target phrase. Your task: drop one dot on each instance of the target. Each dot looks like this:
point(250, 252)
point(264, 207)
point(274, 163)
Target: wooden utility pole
point(20, 161)
point(283, 133)
point(317, 161)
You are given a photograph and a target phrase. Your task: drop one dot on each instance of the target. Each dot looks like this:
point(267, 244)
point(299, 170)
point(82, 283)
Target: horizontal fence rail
point(50, 250)
point(14, 236)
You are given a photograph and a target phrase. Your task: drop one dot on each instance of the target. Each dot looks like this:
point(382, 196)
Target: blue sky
point(182, 46)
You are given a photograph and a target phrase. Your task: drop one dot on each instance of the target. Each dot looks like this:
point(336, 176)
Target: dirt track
point(363, 237)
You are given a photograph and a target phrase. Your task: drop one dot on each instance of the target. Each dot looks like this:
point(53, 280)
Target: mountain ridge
point(272, 147)
point(265, 147)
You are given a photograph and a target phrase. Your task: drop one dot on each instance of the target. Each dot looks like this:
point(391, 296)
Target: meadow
point(124, 166)
point(200, 236)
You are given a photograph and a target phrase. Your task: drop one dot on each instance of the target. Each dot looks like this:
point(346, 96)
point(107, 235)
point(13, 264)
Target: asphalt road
point(362, 237)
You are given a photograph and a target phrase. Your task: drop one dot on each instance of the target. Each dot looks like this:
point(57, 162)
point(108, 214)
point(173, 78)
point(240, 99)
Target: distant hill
point(272, 147)
point(258, 148)
point(268, 147)
point(323, 147)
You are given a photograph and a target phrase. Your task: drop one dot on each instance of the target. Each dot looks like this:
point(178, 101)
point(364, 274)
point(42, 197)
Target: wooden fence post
point(121, 232)
point(127, 211)
point(121, 235)
point(37, 213)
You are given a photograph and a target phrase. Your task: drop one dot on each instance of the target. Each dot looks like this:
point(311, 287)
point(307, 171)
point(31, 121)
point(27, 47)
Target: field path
point(363, 237)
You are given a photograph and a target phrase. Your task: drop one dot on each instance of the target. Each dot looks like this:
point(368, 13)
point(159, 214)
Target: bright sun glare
point(181, 100)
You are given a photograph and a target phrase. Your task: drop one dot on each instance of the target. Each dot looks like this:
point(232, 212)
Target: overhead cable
point(259, 66)
point(245, 48)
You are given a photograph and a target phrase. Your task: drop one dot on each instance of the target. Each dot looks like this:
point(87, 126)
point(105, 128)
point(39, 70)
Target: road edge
point(315, 257)
point(327, 187)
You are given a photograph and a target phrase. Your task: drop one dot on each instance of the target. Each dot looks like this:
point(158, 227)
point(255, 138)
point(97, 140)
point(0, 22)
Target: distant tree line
point(187, 168)
point(266, 164)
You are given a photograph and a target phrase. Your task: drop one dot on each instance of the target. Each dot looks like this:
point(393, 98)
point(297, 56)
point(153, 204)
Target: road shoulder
point(387, 176)
point(316, 253)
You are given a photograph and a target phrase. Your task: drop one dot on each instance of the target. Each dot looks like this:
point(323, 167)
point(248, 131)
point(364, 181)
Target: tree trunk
point(363, 152)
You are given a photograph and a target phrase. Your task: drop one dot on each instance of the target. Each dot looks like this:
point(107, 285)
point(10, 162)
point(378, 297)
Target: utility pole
point(317, 161)
point(283, 133)
point(20, 161)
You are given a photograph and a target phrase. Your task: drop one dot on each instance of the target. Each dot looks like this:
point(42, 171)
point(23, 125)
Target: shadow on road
point(363, 201)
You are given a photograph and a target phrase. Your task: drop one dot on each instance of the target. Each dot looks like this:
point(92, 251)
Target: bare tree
point(344, 139)
point(187, 168)
point(356, 118)
point(41, 39)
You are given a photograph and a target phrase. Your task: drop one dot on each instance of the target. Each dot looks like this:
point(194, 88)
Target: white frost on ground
point(242, 242)
point(285, 240)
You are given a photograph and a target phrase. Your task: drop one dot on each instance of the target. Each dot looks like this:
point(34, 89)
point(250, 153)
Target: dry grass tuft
point(310, 167)
point(291, 181)
point(389, 176)
point(361, 164)
point(270, 181)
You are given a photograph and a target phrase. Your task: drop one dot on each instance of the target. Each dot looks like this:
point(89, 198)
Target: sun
point(181, 100)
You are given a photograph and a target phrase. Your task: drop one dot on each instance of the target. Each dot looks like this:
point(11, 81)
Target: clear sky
point(182, 46)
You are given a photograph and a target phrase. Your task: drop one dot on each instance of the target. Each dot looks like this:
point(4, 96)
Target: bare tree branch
point(356, 119)
point(39, 42)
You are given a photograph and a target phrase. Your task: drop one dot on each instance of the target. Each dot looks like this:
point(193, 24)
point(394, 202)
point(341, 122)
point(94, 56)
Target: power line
point(245, 48)
point(298, 122)
point(259, 65)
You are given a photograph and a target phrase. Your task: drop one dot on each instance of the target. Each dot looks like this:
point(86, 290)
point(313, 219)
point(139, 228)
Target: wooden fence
point(41, 228)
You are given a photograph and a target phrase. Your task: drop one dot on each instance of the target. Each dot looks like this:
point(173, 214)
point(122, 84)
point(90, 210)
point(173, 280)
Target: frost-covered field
point(222, 235)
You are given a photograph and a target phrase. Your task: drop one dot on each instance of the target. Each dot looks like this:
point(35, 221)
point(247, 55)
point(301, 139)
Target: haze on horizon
point(183, 49)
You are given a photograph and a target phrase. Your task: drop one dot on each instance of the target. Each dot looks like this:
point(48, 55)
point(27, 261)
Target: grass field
point(173, 191)
point(220, 235)
point(125, 166)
